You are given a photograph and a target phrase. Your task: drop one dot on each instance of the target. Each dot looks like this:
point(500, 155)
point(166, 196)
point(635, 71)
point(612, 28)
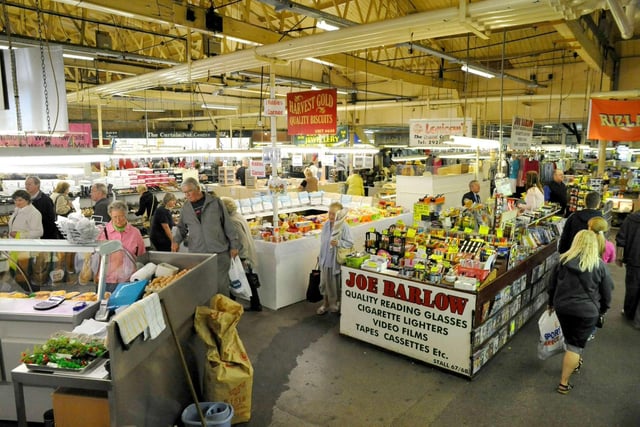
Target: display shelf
point(226, 175)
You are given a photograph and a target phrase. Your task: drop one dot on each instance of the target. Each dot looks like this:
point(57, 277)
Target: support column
point(602, 156)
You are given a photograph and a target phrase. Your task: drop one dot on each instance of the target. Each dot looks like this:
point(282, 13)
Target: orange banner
point(614, 120)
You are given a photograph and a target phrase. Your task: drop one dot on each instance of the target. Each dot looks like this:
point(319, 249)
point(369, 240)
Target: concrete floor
point(307, 374)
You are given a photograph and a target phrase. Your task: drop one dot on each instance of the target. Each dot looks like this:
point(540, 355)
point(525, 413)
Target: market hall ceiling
point(172, 55)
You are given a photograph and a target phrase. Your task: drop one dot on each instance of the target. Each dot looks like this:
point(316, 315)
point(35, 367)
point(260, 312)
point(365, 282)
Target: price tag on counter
point(484, 230)
point(411, 232)
point(499, 233)
point(468, 230)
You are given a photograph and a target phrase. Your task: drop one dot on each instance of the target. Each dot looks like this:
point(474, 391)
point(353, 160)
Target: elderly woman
point(162, 223)
point(26, 221)
point(310, 182)
point(60, 197)
point(121, 265)
point(247, 252)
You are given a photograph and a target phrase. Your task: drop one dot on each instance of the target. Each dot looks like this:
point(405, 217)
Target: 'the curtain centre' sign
point(313, 112)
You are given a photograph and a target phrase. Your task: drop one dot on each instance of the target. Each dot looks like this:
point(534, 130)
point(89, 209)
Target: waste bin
point(218, 414)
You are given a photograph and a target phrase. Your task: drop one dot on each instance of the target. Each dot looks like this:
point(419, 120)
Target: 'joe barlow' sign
point(428, 323)
point(312, 113)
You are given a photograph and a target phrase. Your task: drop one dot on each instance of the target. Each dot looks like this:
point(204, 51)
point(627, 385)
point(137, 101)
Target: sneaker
point(591, 337)
point(321, 310)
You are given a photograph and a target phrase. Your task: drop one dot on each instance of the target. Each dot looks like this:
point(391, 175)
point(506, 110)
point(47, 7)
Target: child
point(600, 226)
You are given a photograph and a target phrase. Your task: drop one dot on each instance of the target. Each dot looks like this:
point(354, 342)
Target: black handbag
point(313, 288)
point(254, 281)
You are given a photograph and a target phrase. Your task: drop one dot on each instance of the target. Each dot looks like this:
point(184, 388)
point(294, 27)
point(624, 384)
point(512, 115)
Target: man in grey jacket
point(205, 220)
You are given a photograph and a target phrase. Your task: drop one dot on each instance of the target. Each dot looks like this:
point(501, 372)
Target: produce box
point(80, 408)
point(355, 260)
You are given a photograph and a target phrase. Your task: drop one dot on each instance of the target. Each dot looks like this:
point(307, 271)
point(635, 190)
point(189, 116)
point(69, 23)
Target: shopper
point(473, 196)
point(579, 292)
point(241, 175)
point(355, 184)
point(44, 205)
point(122, 264)
point(600, 226)
point(26, 220)
point(162, 224)
point(101, 204)
point(148, 202)
point(60, 198)
point(247, 250)
point(579, 220)
point(335, 234)
point(534, 197)
point(628, 243)
point(205, 221)
point(309, 183)
point(558, 191)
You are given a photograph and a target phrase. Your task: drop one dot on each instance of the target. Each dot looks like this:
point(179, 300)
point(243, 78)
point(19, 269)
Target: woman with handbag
point(247, 252)
point(334, 236)
point(580, 293)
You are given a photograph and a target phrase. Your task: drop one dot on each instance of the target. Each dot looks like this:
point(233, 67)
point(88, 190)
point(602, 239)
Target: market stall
point(133, 374)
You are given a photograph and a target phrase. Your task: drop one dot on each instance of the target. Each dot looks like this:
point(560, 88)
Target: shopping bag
point(551, 337)
point(313, 288)
point(228, 375)
point(239, 285)
point(341, 254)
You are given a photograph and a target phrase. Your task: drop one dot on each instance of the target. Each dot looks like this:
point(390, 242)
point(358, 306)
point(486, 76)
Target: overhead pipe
point(624, 17)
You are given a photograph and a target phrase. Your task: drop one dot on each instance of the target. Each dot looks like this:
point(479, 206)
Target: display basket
point(78, 232)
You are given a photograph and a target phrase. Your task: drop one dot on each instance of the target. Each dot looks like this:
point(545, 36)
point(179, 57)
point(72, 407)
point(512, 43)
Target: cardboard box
point(80, 408)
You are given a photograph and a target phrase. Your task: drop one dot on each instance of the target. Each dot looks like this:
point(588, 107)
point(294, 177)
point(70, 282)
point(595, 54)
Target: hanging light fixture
point(478, 71)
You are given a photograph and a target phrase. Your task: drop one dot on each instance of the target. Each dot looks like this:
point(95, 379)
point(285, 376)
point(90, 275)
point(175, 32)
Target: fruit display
point(162, 282)
point(65, 353)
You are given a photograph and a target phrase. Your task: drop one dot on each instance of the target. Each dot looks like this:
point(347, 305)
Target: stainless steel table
point(95, 379)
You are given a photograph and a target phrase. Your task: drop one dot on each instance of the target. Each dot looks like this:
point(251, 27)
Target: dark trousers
point(254, 301)
point(632, 291)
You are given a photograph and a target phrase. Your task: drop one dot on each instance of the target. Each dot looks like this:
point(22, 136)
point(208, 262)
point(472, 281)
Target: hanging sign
point(312, 112)
point(256, 169)
point(341, 136)
point(81, 135)
point(274, 107)
point(521, 133)
point(428, 323)
point(296, 160)
point(614, 120)
point(431, 132)
point(271, 156)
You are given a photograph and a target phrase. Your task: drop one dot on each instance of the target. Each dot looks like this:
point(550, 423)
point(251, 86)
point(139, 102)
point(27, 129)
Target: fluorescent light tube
point(324, 25)
point(219, 107)
point(78, 56)
point(147, 110)
point(477, 71)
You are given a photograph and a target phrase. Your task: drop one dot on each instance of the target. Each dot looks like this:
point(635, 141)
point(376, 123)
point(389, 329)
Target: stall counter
point(284, 267)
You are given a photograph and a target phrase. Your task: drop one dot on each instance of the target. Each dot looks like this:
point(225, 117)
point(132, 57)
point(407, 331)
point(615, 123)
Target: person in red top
point(121, 264)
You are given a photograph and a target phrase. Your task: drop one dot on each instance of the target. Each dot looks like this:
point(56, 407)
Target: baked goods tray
point(53, 369)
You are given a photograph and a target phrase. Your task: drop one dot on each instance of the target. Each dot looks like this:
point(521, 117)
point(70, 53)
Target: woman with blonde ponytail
point(600, 226)
point(579, 292)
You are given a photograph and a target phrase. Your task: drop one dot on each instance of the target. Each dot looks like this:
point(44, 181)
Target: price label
point(484, 230)
point(468, 230)
point(411, 232)
point(499, 233)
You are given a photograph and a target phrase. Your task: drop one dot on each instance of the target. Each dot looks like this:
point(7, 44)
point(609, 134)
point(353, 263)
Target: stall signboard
point(341, 136)
point(521, 133)
point(432, 132)
point(611, 120)
point(296, 160)
point(80, 135)
point(429, 323)
point(275, 107)
point(257, 169)
point(312, 112)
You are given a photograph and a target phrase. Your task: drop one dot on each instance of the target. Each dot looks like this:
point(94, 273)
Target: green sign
point(327, 140)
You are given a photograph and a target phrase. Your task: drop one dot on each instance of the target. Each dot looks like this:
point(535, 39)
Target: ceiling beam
point(584, 46)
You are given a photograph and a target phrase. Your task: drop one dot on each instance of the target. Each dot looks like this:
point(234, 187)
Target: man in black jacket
point(45, 206)
point(578, 220)
point(474, 193)
point(628, 243)
point(558, 190)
